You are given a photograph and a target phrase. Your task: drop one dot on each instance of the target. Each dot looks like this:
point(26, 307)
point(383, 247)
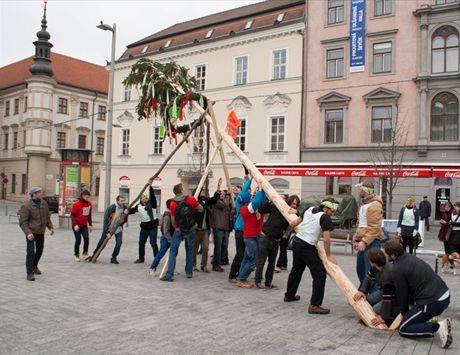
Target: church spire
point(42, 58)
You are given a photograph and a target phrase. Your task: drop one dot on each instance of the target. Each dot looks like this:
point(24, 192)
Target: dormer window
point(145, 49)
point(167, 44)
point(209, 34)
point(280, 18)
point(248, 24)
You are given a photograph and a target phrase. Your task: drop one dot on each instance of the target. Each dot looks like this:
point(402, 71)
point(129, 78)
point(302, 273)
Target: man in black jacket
point(424, 208)
point(149, 223)
point(416, 282)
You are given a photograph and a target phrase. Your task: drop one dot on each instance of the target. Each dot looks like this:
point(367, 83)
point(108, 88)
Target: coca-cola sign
point(269, 172)
point(311, 173)
point(358, 173)
point(413, 173)
point(452, 174)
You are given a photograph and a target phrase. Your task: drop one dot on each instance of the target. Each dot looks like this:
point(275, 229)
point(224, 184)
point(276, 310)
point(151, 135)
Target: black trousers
point(82, 232)
point(239, 243)
point(268, 248)
point(34, 252)
point(304, 255)
point(282, 258)
point(408, 242)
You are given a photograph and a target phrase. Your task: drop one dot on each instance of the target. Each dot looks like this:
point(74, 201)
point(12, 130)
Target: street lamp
point(108, 158)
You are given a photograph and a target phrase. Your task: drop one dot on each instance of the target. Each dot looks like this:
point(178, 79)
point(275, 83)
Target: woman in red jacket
point(80, 213)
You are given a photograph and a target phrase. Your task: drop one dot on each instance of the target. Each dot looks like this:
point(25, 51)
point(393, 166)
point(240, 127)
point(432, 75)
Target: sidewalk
point(118, 309)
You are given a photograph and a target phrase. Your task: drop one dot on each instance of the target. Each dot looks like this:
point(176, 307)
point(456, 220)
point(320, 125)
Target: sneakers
point(89, 258)
point(139, 261)
point(277, 269)
point(244, 284)
point(259, 285)
point(114, 261)
point(85, 255)
point(217, 268)
point(196, 269)
point(30, 277)
point(152, 272)
point(37, 271)
point(291, 299)
point(164, 278)
point(318, 310)
point(233, 281)
point(444, 333)
point(205, 269)
point(77, 258)
point(271, 287)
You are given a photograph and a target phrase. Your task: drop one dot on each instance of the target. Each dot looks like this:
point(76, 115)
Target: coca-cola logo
point(269, 172)
point(410, 173)
point(358, 173)
point(312, 173)
point(452, 174)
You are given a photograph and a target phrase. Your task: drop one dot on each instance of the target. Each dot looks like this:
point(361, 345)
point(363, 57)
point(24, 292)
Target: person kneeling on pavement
point(383, 298)
point(304, 252)
point(416, 281)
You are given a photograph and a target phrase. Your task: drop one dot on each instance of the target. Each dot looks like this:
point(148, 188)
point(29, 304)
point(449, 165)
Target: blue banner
point(357, 24)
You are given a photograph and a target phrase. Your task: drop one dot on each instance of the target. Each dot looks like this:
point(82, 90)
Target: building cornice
point(335, 40)
point(434, 9)
point(382, 33)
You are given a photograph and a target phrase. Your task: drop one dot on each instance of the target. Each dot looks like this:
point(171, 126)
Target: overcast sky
point(72, 24)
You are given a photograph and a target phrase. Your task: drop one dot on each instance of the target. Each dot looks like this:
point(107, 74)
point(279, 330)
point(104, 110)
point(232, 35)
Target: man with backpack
point(183, 218)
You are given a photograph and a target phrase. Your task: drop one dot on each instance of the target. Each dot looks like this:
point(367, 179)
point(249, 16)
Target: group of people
point(392, 280)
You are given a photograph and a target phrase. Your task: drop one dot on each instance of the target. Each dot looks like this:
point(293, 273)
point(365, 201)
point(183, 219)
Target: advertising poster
point(357, 25)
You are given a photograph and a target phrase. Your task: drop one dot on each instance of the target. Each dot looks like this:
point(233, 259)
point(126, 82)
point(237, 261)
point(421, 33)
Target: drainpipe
point(304, 82)
point(92, 143)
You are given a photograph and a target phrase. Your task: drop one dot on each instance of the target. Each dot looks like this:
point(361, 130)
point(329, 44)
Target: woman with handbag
point(408, 225)
point(453, 242)
point(444, 222)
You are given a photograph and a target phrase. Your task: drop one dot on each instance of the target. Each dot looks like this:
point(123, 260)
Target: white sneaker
point(77, 259)
point(444, 333)
point(152, 272)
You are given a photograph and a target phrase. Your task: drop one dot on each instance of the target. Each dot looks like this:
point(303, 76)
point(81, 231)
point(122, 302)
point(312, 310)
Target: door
point(442, 195)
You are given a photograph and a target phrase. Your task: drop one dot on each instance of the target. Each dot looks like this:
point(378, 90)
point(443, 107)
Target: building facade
point(49, 102)
point(247, 59)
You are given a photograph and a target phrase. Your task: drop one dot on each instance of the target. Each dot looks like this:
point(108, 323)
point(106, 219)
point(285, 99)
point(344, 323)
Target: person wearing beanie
point(315, 221)
point(34, 218)
point(369, 231)
point(81, 216)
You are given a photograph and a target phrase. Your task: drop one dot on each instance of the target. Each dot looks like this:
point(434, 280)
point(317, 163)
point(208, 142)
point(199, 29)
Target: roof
point(224, 24)
point(67, 71)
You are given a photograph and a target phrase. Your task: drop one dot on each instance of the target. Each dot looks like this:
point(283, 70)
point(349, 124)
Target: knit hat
point(34, 190)
point(369, 188)
point(244, 197)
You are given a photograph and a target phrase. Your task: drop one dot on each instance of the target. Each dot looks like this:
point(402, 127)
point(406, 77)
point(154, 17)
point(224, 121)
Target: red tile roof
point(67, 71)
point(224, 24)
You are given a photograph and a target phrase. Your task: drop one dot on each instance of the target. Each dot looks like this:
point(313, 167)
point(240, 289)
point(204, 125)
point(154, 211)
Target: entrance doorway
point(442, 195)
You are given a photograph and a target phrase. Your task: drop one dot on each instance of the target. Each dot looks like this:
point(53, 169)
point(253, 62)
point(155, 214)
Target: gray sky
point(72, 24)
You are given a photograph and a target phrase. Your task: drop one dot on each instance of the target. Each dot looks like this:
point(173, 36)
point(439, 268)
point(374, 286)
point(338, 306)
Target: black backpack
point(185, 215)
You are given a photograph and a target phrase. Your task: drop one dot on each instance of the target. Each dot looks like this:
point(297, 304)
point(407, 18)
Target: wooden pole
point(362, 307)
point(206, 172)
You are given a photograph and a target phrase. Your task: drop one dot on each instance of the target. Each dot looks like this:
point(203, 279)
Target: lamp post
point(108, 158)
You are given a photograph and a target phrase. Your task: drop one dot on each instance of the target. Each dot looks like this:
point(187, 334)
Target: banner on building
point(357, 25)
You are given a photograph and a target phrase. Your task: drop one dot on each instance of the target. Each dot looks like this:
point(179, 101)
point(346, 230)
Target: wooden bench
point(343, 237)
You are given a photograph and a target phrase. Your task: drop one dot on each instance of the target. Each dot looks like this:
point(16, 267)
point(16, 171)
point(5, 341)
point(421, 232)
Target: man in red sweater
point(80, 213)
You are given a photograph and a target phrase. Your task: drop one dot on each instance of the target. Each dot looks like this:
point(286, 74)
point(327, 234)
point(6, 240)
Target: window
point(241, 72)
point(443, 2)
point(83, 109)
point(280, 17)
point(382, 58)
point(126, 93)
point(240, 140)
point(333, 126)
point(167, 44)
point(16, 106)
point(98, 182)
point(15, 140)
point(345, 184)
point(13, 183)
point(157, 141)
point(5, 140)
point(381, 124)
point(102, 110)
point(100, 146)
point(125, 141)
point(7, 108)
point(62, 105)
point(277, 134)
point(279, 64)
point(209, 34)
point(248, 24)
point(25, 103)
point(145, 49)
point(444, 118)
point(198, 140)
point(200, 75)
point(335, 63)
point(81, 141)
point(444, 50)
point(23, 184)
point(382, 7)
point(335, 11)
point(24, 137)
point(60, 140)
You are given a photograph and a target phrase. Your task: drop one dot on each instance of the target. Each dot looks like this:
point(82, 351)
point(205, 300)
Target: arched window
point(444, 50)
point(444, 117)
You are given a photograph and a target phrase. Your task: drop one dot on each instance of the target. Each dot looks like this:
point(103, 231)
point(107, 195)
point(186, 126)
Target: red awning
point(446, 172)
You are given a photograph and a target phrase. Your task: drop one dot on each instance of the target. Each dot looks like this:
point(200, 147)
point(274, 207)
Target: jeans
point(224, 249)
point(416, 323)
point(82, 232)
point(268, 248)
point(34, 250)
point(250, 257)
point(118, 242)
point(164, 246)
point(150, 234)
point(201, 239)
point(282, 258)
point(304, 255)
point(236, 264)
point(362, 262)
point(219, 235)
point(177, 238)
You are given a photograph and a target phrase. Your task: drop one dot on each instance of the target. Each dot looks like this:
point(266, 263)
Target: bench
point(343, 237)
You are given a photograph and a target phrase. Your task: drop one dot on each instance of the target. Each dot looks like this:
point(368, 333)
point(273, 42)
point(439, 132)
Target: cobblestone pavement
point(119, 309)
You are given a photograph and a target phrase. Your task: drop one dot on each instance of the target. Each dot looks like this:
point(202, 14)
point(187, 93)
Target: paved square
point(119, 309)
